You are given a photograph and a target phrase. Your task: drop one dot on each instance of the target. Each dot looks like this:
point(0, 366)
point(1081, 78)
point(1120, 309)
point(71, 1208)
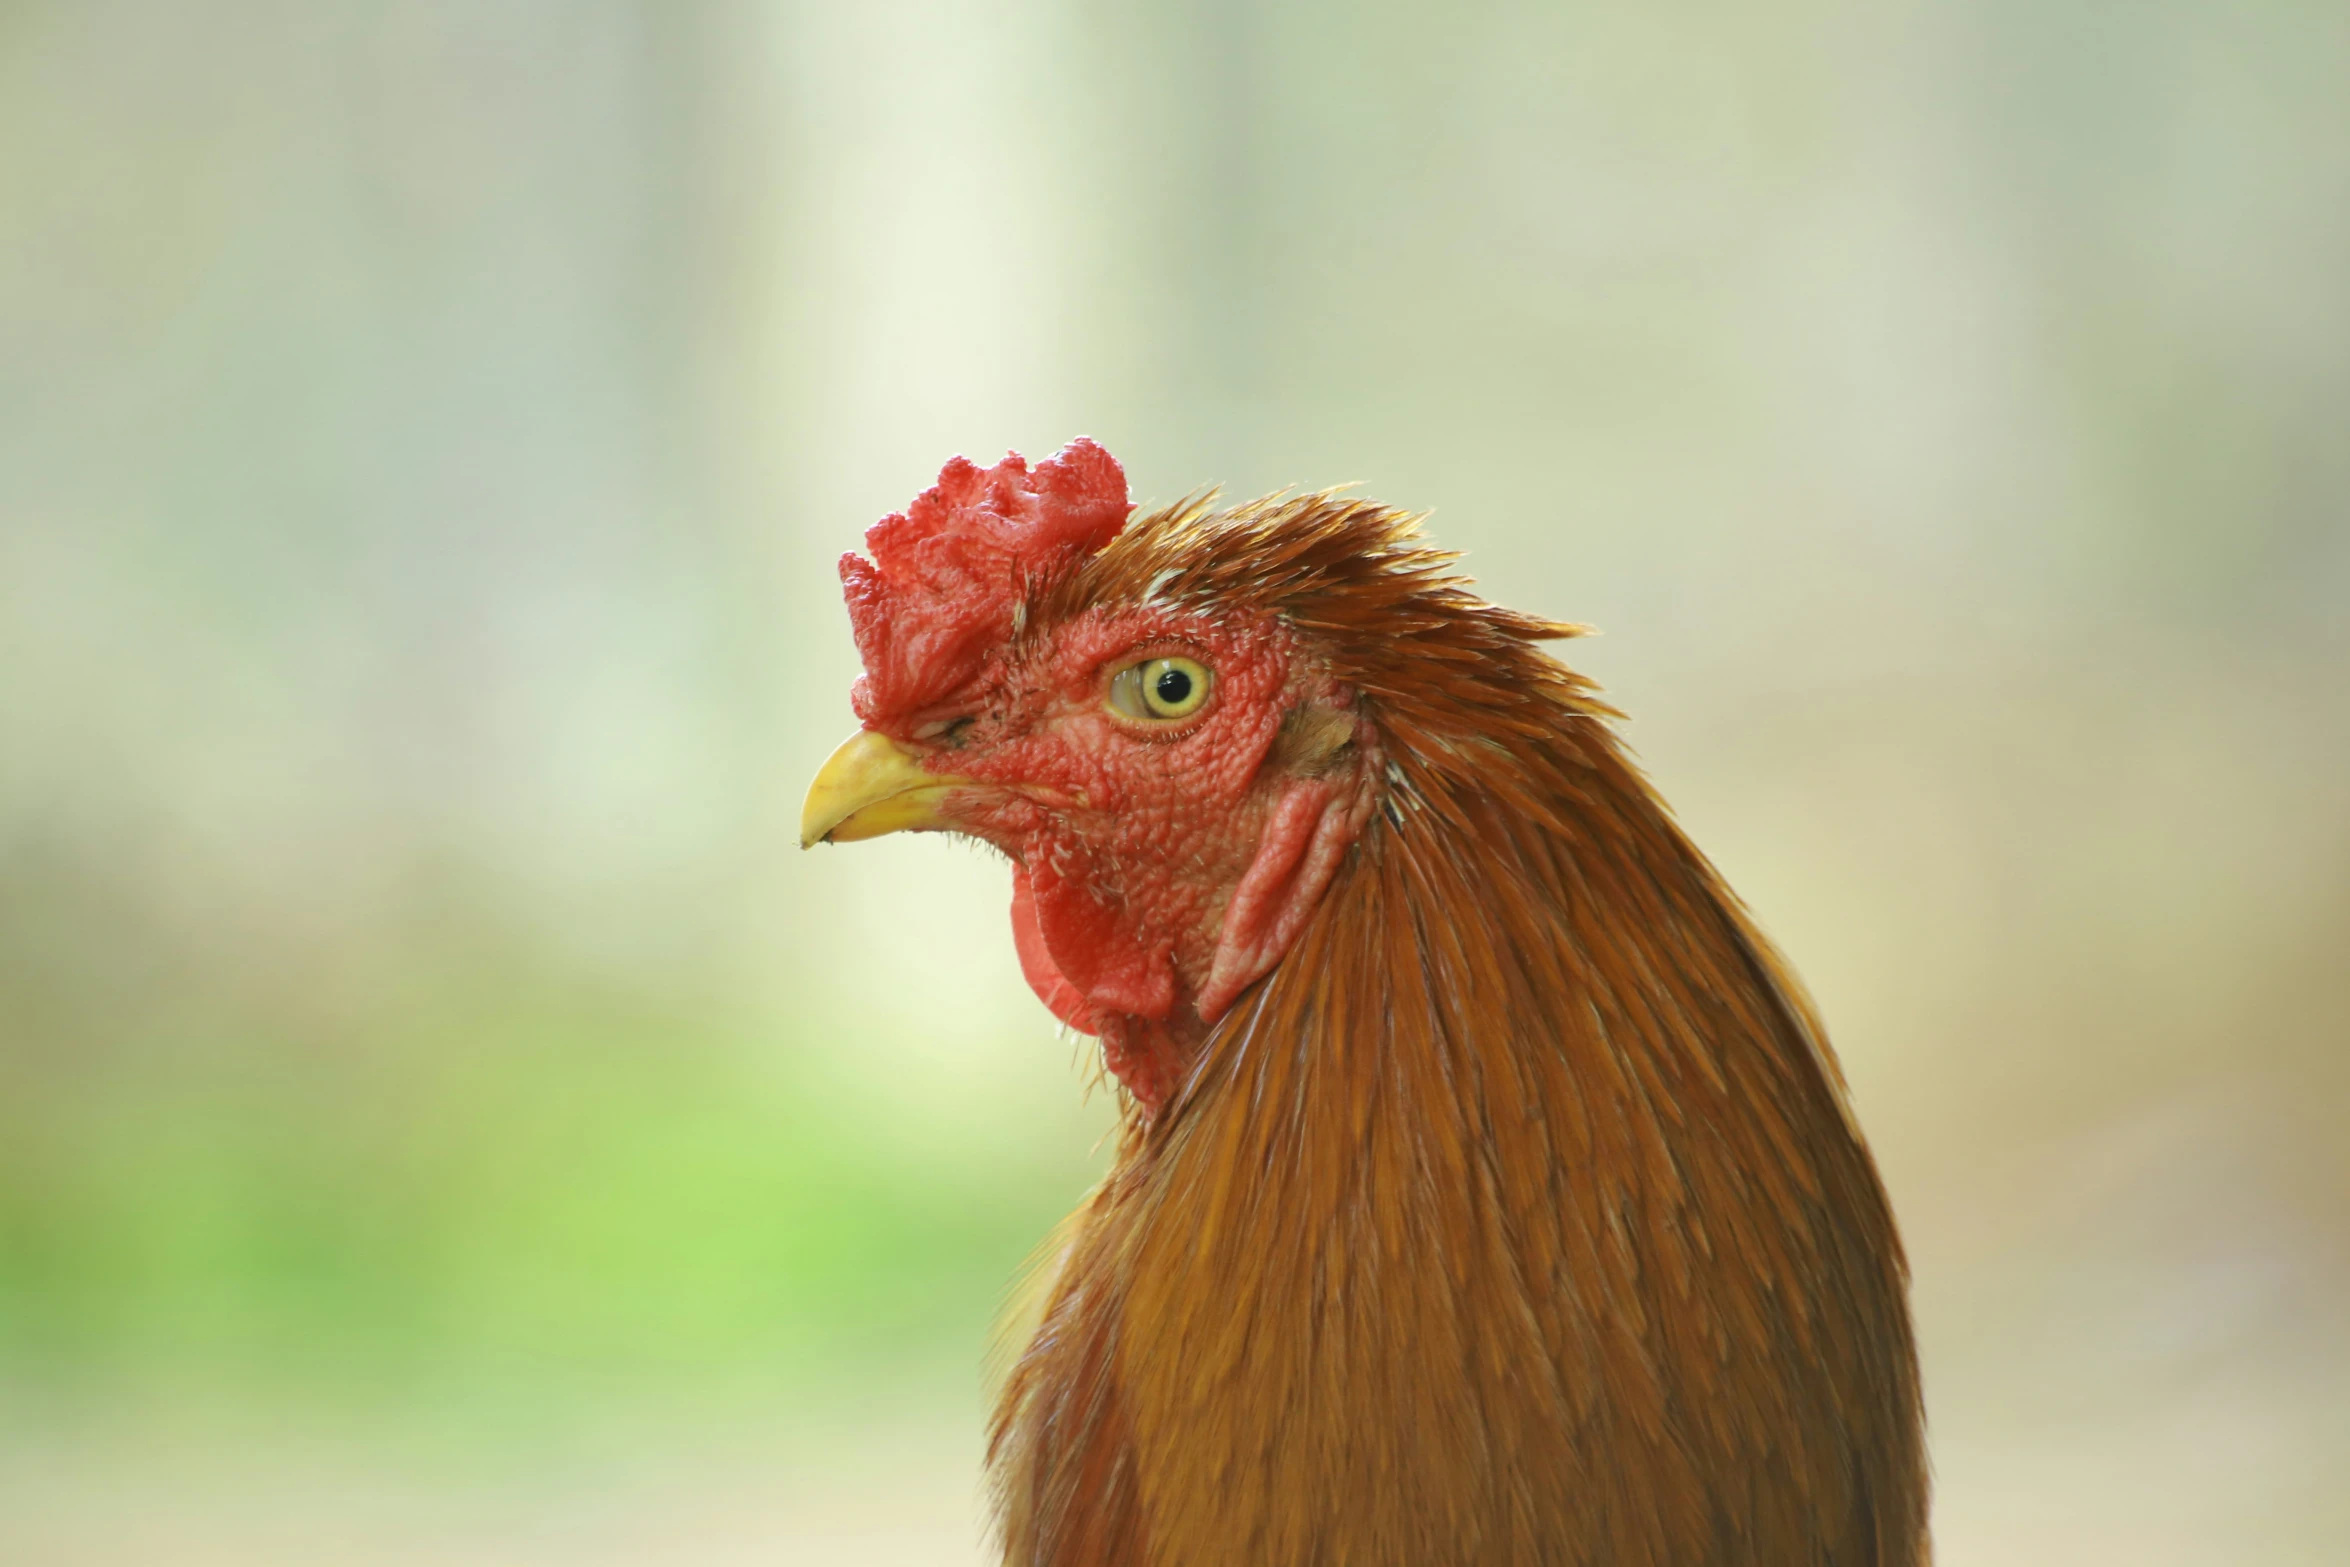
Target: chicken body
point(1487, 1193)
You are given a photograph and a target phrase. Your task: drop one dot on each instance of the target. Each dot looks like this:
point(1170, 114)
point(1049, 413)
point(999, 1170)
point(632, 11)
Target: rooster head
point(1174, 767)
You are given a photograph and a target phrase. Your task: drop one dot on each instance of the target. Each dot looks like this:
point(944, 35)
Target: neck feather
point(1520, 1200)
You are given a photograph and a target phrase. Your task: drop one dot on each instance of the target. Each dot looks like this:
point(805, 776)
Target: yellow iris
point(1160, 689)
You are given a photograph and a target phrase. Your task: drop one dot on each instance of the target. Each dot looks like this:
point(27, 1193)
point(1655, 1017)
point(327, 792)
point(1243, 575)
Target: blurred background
point(444, 1118)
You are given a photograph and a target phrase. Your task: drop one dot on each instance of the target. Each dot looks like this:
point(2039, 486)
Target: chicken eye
point(1160, 689)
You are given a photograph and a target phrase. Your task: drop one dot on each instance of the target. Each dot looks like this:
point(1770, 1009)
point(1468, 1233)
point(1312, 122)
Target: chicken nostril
point(949, 732)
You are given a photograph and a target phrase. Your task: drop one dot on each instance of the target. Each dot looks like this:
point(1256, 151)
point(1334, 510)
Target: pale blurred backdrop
point(445, 1119)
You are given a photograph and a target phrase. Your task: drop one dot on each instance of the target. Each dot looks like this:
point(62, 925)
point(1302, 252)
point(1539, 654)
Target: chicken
point(1486, 1192)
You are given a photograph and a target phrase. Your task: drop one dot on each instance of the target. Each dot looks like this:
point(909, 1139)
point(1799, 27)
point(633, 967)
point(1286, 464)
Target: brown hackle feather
point(1517, 1216)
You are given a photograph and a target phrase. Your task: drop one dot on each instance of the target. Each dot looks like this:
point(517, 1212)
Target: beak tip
point(868, 787)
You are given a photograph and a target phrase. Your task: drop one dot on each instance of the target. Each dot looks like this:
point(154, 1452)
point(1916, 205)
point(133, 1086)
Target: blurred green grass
point(537, 1181)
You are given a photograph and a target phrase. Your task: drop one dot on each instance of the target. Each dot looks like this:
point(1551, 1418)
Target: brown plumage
point(1515, 1215)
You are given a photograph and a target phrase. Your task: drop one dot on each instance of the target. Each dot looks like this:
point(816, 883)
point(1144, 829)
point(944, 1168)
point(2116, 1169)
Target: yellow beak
point(870, 786)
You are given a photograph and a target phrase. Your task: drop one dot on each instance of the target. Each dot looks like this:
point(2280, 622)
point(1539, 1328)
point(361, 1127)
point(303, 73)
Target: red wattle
point(1052, 987)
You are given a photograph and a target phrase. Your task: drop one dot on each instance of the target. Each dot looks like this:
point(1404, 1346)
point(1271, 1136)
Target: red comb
point(949, 571)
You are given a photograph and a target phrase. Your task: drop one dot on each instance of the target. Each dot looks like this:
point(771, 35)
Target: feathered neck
point(1516, 1218)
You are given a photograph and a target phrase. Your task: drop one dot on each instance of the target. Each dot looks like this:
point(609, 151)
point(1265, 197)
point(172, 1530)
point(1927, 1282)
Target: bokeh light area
point(445, 1119)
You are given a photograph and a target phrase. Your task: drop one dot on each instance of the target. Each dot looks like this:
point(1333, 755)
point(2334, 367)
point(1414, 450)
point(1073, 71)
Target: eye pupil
point(1173, 687)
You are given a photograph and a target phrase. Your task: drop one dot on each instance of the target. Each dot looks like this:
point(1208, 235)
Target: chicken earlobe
point(1310, 828)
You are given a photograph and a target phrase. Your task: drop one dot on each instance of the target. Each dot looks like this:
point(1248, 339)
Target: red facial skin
point(1160, 867)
